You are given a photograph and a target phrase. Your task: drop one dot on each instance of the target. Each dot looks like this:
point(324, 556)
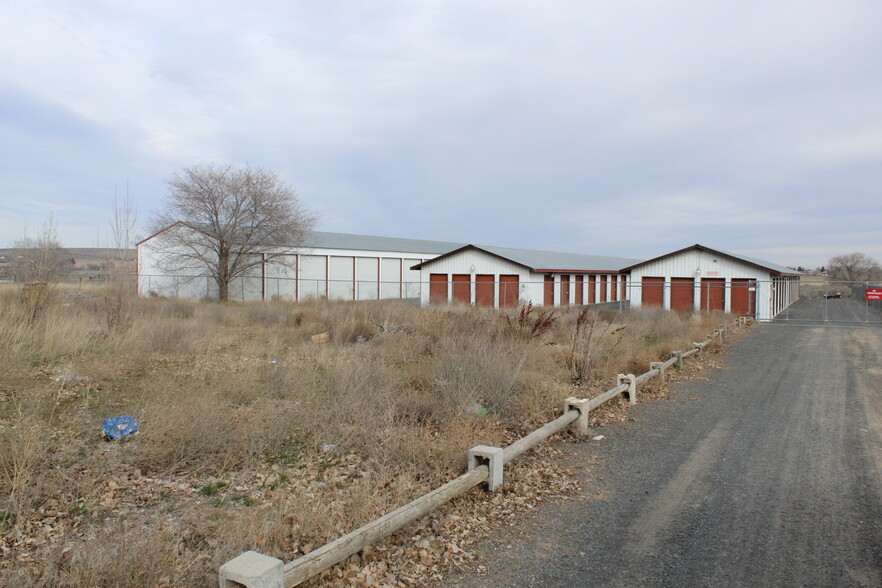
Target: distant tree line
point(854, 267)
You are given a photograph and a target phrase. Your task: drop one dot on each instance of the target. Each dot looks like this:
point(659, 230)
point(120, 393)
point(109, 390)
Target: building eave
point(700, 247)
point(171, 226)
point(465, 248)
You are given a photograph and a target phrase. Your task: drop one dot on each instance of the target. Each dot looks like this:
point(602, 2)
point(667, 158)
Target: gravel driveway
point(768, 473)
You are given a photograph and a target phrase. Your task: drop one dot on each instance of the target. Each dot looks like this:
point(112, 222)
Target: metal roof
point(761, 263)
point(536, 260)
point(324, 240)
point(551, 261)
point(319, 239)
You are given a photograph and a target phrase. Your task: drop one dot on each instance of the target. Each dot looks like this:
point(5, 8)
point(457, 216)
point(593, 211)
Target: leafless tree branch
point(40, 258)
point(242, 219)
point(122, 225)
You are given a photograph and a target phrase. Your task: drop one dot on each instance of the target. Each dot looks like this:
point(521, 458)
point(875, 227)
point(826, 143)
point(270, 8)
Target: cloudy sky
point(622, 128)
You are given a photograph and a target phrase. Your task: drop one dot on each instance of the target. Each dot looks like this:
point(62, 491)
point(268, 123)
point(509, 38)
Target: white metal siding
point(367, 275)
point(250, 285)
point(534, 289)
point(280, 278)
point(698, 264)
point(341, 278)
point(309, 280)
point(312, 275)
point(190, 282)
point(483, 263)
point(152, 282)
point(390, 276)
point(411, 278)
point(685, 265)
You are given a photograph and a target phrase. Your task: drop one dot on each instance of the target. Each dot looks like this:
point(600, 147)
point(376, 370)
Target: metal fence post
point(826, 297)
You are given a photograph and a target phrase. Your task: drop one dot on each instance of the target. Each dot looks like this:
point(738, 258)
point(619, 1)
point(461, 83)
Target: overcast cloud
point(621, 128)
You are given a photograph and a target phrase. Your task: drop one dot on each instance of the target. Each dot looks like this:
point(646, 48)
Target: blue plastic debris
point(118, 427)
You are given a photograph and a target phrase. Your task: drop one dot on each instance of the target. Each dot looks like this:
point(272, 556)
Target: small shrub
point(22, 453)
point(192, 427)
point(164, 335)
point(179, 308)
point(243, 499)
point(475, 370)
point(212, 488)
point(526, 325)
point(593, 337)
point(124, 554)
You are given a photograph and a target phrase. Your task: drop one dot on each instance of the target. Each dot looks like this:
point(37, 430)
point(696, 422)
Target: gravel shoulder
point(767, 473)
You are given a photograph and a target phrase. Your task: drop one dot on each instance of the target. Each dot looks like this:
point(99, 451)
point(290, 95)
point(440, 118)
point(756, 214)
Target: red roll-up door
point(564, 290)
point(592, 285)
point(653, 292)
point(549, 291)
point(484, 286)
point(462, 288)
point(713, 294)
point(508, 291)
point(683, 294)
point(580, 284)
point(622, 287)
point(743, 296)
point(602, 287)
point(438, 288)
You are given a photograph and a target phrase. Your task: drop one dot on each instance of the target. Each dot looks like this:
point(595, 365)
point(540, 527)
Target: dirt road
point(769, 473)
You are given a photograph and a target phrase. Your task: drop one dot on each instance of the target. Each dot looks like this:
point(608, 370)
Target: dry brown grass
point(254, 437)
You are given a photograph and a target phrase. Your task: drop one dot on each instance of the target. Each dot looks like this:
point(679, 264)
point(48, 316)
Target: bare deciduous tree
point(854, 267)
point(122, 225)
point(242, 219)
point(40, 258)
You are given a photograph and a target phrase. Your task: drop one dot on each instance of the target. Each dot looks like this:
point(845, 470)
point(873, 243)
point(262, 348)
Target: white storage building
point(504, 277)
point(333, 265)
point(701, 278)
point(360, 267)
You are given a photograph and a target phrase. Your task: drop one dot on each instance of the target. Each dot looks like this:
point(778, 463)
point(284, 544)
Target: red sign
point(874, 294)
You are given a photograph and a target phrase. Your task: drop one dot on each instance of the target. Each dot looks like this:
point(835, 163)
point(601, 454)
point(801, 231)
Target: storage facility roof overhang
point(772, 268)
point(323, 240)
point(171, 226)
point(544, 261)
